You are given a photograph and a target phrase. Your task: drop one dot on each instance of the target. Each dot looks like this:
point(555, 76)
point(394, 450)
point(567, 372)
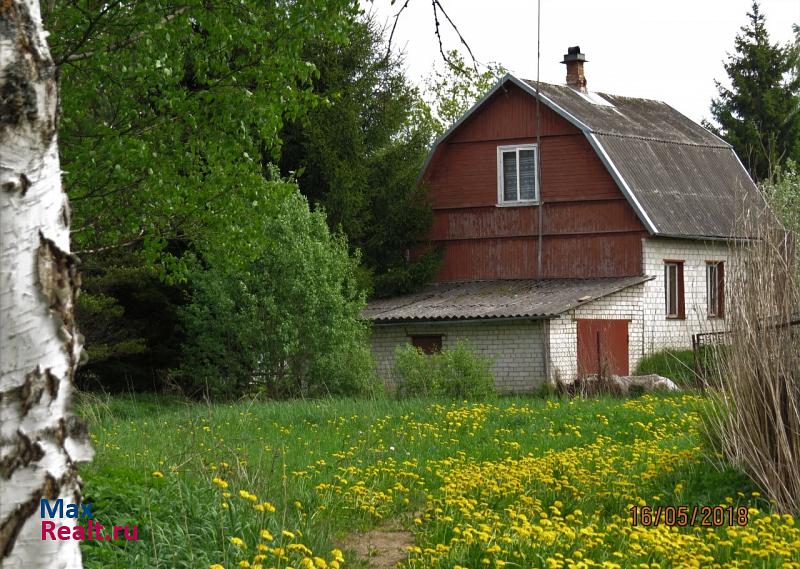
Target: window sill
point(675, 317)
point(518, 204)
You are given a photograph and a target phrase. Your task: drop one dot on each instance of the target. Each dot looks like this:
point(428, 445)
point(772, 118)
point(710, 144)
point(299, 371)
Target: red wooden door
point(602, 342)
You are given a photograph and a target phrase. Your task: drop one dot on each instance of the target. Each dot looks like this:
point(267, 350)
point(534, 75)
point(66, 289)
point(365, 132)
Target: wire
point(539, 139)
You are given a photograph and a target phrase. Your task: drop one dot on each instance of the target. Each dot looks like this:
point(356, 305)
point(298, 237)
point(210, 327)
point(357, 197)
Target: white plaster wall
point(626, 304)
point(516, 346)
point(661, 332)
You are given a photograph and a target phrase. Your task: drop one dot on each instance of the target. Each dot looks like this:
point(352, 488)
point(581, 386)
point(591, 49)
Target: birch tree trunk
point(40, 440)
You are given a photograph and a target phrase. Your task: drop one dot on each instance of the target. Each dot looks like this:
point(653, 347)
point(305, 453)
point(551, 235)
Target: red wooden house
point(577, 229)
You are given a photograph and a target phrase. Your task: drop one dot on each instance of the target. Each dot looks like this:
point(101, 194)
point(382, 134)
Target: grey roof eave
point(543, 316)
point(456, 320)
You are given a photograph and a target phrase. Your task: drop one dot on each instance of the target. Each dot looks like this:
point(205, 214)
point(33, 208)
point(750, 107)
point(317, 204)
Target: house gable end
point(588, 228)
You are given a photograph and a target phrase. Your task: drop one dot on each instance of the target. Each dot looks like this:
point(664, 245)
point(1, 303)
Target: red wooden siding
point(568, 256)
point(602, 342)
point(588, 229)
point(510, 114)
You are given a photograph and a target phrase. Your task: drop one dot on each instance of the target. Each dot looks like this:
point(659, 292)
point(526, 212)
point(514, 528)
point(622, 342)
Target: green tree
point(760, 113)
point(783, 195)
point(359, 156)
point(170, 114)
point(170, 109)
point(282, 316)
point(453, 87)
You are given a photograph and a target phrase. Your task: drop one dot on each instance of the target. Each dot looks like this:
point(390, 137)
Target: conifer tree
point(760, 113)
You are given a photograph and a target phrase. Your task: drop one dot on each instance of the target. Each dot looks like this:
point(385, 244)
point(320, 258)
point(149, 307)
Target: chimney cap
point(574, 54)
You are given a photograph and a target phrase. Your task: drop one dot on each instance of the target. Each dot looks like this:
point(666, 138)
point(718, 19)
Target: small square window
point(516, 174)
point(428, 343)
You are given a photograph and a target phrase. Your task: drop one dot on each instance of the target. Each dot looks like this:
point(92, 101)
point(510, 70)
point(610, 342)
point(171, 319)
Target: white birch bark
point(40, 440)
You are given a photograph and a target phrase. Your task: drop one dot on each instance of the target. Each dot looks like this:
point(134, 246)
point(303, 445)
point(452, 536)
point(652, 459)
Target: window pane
point(711, 289)
point(666, 289)
point(672, 290)
point(510, 176)
point(527, 174)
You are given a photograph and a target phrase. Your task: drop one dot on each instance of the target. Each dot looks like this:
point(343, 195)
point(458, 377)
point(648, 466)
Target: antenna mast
point(538, 139)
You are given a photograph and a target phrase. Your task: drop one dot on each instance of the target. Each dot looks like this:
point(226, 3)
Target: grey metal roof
point(535, 299)
point(679, 178)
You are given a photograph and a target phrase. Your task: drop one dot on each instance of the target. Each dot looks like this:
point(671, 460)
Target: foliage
point(545, 479)
point(453, 88)
point(169, 110)
point(456, 373)
point(783, 195)
point(359, 156)
point(677, 365)
point(129, 317)
point(172, 115)
point(758, 114)
point(282, 314)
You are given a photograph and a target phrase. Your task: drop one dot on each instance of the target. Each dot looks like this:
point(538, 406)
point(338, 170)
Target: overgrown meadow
point(516, 482)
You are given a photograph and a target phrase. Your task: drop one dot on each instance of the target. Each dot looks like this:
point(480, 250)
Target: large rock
point(647, 383)
point(618, 385)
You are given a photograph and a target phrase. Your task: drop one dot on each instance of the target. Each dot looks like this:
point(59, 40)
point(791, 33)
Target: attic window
point(516, 174)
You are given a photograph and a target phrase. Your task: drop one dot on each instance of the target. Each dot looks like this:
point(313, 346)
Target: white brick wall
point(516, 346)
point(624, 305)
point(659, 331)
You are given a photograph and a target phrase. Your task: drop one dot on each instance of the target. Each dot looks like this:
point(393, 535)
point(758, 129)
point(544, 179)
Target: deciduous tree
point(40, 440)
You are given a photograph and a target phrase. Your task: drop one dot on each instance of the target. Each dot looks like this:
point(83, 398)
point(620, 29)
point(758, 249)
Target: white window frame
point(501, 201)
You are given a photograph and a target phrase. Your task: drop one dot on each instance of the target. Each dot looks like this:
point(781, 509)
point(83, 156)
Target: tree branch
point(394, 26)
point(120, 44)
point(437, 3)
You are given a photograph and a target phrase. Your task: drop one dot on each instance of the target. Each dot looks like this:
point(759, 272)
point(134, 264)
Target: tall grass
point(756, 380)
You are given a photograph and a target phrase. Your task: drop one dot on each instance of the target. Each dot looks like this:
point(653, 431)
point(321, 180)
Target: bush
point(457, 373)
point(282, 315)
point(755, 411)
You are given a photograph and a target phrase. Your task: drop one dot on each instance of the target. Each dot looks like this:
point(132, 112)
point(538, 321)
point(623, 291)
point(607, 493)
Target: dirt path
point(380, 548)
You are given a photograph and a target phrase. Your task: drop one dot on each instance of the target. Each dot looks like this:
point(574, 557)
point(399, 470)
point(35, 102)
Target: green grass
point(677, 365)
point(332, 466)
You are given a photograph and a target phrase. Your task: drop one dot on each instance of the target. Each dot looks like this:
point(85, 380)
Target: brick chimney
point(574, 60)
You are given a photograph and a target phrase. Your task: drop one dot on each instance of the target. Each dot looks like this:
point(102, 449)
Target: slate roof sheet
point(535, 299)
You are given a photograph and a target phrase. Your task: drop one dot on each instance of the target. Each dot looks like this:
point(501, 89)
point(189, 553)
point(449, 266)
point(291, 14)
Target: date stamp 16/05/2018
point(688, 516)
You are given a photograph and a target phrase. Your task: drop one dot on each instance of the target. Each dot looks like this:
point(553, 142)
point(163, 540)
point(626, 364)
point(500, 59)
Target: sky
point(671, 50)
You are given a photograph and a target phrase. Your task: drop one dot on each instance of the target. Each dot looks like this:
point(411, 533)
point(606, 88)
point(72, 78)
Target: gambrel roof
point(679, 178)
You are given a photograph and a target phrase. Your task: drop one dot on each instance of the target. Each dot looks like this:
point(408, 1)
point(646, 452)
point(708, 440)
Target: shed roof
point(679, 178)
point(534, 299)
